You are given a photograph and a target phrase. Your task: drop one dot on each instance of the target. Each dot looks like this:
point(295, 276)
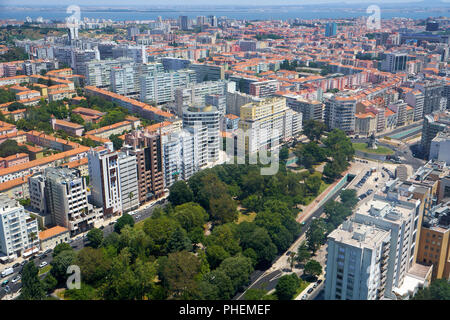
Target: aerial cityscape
point(237, 151)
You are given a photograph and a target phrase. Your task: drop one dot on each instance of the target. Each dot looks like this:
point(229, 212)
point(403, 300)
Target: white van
point(7, 272)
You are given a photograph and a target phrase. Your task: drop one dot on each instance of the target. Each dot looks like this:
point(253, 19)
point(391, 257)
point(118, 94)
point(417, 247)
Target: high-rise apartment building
point(66, 199)
point(207, 117)
point(147, 148)
point(340, 113)
point(357, 256)
point(268, 122)
point(432, 124)
point(195, 93)
point(128, 180)
point(18, 230)
point(432, 92)
point(416, 99)
point(105, 180)
point(310, 109)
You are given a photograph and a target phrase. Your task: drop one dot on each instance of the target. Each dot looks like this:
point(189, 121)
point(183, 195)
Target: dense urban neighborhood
point(217, 158)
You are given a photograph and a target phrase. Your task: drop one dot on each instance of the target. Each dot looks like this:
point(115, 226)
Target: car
point(48, 251)
point(39, 255)
point(43, 264)
point(5, 282)
point(16, 265)
point(376, 179)
point(304, 297)
point(16, 278)
point(310, 290)
point(43, 256)
point(288, 253)
point(111, 223)
point(7, 289)
point(102, 227)
point(370, 191)
point(319, 281)
point(24, 262)
point(315, 285)
point(303, 223)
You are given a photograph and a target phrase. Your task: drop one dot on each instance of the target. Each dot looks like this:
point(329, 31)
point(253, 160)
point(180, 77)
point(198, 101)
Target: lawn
point(246, 217)
point(45, 269)
point(380, 149)
point(303, 285)
point(322, 188)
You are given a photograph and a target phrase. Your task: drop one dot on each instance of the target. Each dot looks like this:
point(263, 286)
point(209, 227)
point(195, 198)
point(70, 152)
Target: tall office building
point(147, 148)
point(208, 72)
point(206, 117)
point(330, 29)
point(18, 230)
point(184, 23)
point(212, 21)
point(394, 62)
point(105, 180)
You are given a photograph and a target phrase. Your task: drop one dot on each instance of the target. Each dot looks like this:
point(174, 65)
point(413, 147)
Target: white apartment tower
point(18, 231)
point(105, 180)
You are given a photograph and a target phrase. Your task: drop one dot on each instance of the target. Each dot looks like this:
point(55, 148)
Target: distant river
point(249, 14)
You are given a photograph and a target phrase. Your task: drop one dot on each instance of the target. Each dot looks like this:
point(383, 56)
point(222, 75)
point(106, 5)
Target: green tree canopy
point(287, 286)
point(180, 193)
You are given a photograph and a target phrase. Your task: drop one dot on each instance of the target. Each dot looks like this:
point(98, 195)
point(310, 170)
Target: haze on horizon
point(192, 3)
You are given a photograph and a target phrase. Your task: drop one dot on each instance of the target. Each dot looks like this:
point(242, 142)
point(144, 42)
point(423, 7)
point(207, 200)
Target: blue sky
point(191, 2)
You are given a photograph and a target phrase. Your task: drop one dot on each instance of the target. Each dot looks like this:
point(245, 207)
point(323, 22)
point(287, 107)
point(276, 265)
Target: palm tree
point(292, 259)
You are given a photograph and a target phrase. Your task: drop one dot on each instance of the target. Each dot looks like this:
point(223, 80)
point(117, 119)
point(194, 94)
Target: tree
point(95, 237)
point(313, 129)
point(257, 239)
point(60, 247)
point(76, 118)
point(190, 215)
point(239, 269)
point(439, 289)
point(303, 253)
point(254, 294)
point(309, 154)
point(32, 288)
point(284, 153)
point(215, 255)
point(216, 285)
point(160, 230)
point(180, 193)
point(349, 198)
point(287, 286)
point(225, 237)
point(94, 264)
point(179, 241)
point(178, 274)
point(124, 220)
point(60, 264)
point(49, 283)
point(315, 235)
point(313, 268)
point(313, 183)
point(292, 259)
point(117, 142)
point(223, 209)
